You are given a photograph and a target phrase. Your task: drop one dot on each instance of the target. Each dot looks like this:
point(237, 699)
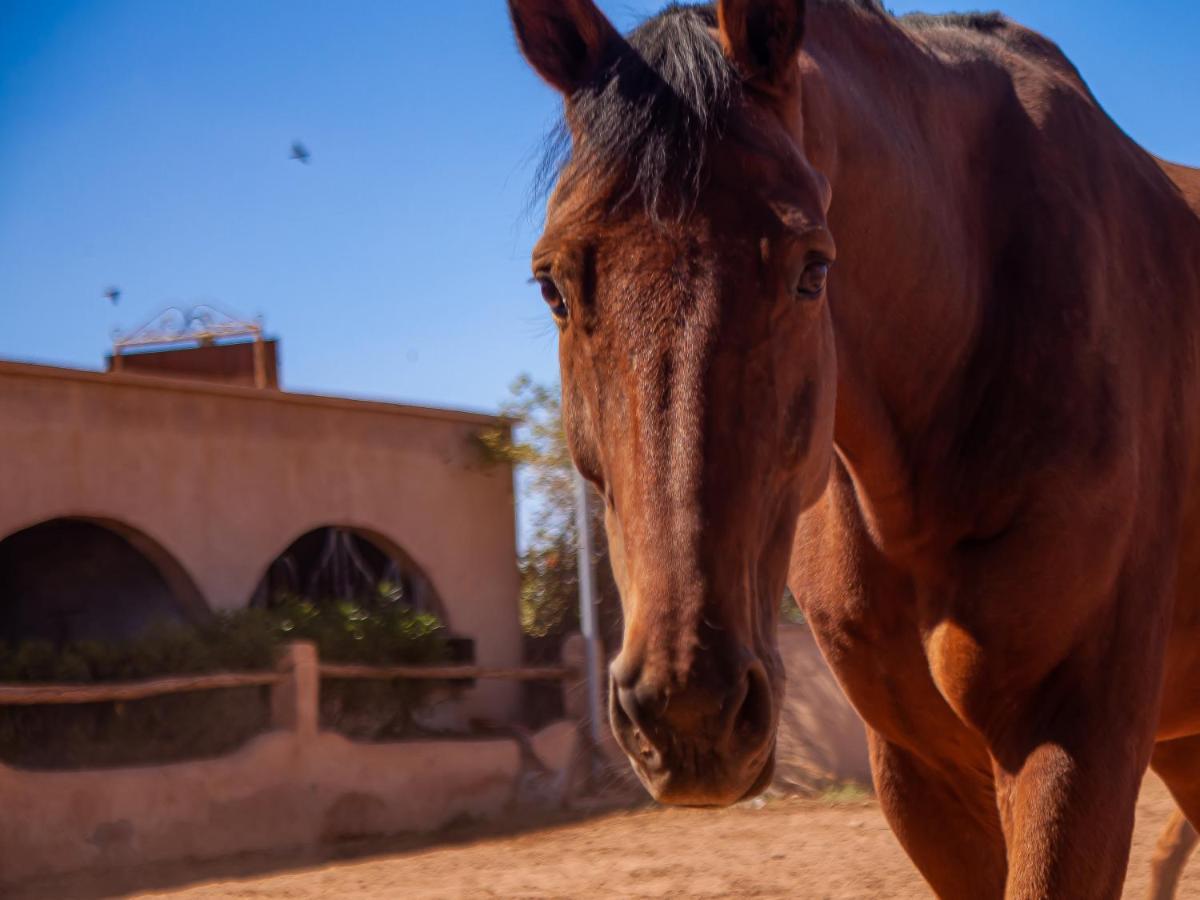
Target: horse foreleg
point(1178, 764)
point(1068, 813)
point(945, 818)
point(1175, 845)
point(1069, 761)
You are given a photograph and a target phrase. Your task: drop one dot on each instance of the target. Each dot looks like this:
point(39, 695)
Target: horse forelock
point(647, 124)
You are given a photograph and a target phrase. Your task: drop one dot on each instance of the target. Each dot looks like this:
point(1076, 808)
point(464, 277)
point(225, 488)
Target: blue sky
point(144, 143)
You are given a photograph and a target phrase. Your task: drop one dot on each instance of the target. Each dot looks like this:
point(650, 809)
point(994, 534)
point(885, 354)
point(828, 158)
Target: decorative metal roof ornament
point(202, 324)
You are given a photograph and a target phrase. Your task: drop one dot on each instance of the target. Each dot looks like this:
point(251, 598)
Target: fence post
point(295, 701)
point(587, 608)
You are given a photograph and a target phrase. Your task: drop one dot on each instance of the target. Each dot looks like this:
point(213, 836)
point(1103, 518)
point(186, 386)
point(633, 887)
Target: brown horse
point(971, 449)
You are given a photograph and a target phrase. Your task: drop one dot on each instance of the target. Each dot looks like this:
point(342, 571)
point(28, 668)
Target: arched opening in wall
point(338, 563)
point(361, 591)
point(79, 578)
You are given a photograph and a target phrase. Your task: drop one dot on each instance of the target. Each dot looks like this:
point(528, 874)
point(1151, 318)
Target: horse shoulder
point(861, 610)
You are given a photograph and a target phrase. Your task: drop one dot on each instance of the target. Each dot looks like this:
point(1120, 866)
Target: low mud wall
point(822, 740)
point(291, 788)
point(280, 791)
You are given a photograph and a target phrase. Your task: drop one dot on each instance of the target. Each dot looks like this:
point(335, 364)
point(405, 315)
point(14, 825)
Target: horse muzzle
point(701, 745)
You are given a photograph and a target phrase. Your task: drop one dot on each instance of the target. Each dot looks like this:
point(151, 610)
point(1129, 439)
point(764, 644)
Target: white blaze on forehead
point(666, 445)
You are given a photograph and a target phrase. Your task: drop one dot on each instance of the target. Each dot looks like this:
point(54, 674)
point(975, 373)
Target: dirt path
point(791, 848)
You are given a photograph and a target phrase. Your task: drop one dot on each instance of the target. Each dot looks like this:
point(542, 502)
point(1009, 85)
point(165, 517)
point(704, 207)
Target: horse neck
point(905, 304)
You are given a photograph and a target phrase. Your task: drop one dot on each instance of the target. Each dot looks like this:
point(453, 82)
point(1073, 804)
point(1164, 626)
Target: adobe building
point(183, 481)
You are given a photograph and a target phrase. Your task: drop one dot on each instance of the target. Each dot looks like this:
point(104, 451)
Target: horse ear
point(762, 37)
point(568, 42)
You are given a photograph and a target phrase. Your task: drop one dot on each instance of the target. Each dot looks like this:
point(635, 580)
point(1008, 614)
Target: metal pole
point(587, 607)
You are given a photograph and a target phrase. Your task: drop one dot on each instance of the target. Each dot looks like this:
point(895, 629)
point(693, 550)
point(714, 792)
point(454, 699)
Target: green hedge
point(211, 723)
point(369, 635)
point(246, 640)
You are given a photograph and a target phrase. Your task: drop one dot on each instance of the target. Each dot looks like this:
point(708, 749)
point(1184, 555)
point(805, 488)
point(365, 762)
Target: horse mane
point(986, 22)
point(919, 21)
point(649, 120)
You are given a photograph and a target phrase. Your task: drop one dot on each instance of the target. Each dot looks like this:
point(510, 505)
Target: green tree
point(549, 563)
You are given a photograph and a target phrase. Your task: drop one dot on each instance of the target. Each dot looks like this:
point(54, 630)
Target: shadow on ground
point(101, 884)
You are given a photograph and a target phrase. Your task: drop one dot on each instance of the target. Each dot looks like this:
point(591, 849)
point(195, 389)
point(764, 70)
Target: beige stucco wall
point(822, 740)
point(224, 478)
point(279, 792)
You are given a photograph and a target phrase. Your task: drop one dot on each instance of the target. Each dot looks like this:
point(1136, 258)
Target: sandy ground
point(834, 848)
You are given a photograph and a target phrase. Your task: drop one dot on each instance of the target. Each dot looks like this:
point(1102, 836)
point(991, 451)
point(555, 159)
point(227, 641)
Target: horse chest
point(864, 615)
point(916, 672)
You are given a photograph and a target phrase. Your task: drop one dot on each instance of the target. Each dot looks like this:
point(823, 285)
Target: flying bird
point(300, 152)
point(113, 294)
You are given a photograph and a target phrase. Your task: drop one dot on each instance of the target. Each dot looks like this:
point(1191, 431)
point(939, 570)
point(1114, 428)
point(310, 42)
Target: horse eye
point(812, 280)
point(553, 296)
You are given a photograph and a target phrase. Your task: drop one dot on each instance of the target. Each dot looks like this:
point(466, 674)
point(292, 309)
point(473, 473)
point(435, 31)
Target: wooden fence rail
point(290, 665)
point(445, 673)
point(38, 694)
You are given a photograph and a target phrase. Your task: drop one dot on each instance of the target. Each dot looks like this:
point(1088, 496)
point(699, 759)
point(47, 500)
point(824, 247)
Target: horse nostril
point(629, 712)
point(753, 719)
point(641, 704)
